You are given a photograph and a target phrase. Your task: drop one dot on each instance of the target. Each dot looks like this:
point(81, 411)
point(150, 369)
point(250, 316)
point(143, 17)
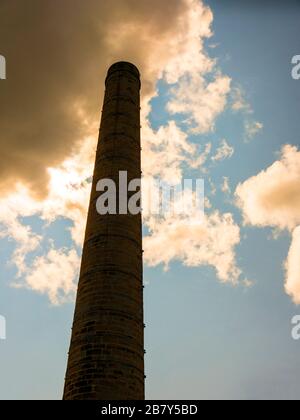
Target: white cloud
point(169, 147)
point(225, 151)
point(292, 283)
point(200, 101)
point(239, 102)
point(186, 52)
point(252, 128)
point(199, 161)
point(54, 274)
point(248, 283)
point(225, 186)
point(272, 198)
point(11, 209)
point(195, 241)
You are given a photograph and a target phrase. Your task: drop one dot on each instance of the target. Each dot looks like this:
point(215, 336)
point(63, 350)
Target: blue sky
point(204, 339)
point(215, 341)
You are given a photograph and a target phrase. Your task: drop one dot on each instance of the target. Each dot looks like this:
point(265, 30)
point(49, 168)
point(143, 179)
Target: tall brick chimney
point(106, 358)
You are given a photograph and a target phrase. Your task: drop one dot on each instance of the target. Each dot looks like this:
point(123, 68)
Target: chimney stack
point(106, 358)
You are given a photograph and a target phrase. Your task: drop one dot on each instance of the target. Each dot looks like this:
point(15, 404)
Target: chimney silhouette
point(106, 357)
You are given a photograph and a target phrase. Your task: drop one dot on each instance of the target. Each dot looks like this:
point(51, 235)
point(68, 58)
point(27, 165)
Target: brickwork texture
point(106, 357)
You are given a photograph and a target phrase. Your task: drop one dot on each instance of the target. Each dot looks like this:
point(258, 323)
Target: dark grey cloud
point(57, 54)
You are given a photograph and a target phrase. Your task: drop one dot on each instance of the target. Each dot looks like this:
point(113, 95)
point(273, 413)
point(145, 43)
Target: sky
point(218, 103)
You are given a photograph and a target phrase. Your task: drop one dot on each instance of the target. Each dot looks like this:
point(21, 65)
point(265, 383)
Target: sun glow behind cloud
point(199, 94)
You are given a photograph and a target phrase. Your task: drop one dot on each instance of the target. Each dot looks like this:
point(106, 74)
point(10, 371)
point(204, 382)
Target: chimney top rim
point(123, 66)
